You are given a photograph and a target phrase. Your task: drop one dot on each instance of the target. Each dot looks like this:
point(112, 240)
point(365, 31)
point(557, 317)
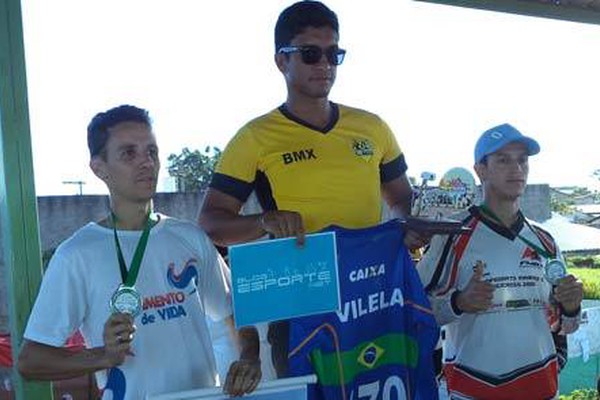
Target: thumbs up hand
point(477, 295)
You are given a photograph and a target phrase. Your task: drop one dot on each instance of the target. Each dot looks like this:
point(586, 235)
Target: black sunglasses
point(312, 54)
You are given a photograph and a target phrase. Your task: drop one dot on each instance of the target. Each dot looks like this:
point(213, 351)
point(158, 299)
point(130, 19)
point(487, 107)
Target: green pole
point(21, 255)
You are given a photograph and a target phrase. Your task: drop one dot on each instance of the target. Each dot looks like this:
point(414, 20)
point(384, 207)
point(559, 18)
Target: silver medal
point(554, 270)
point(126, 300)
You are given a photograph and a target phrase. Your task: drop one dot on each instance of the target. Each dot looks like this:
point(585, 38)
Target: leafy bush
point(591, 281)
point(591, 290)
point(584, 261)
point(586, 268)
point(581, 394)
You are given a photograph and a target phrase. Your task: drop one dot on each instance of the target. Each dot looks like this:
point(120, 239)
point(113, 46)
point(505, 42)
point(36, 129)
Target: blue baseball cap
point(494, 139)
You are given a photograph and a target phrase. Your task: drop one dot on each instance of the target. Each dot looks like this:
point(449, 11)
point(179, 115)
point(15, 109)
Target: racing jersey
point(508, 351)
point(379, 344)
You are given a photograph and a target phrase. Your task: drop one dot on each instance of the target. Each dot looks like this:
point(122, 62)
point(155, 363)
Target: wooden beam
point(21, 256)
point(530, 8)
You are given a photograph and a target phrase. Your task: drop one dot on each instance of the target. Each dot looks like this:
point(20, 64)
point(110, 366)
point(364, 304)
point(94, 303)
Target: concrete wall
point(60, 216)
point(535, 203)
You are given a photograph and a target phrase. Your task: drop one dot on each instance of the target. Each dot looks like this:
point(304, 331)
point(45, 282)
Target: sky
point(438, 75)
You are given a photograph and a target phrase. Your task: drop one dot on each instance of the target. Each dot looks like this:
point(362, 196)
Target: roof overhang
point(569, 10)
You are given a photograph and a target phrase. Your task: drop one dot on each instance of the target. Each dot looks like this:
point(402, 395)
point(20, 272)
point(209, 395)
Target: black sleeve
point(393, 169)
point(232, 186)
point(560, 343)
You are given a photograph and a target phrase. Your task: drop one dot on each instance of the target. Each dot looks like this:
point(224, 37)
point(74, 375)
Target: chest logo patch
point(530, 259)
point(182, 279)
point(362, 148)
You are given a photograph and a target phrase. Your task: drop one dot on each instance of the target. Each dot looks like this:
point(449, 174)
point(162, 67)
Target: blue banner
point(277, 279)
point(284, 394)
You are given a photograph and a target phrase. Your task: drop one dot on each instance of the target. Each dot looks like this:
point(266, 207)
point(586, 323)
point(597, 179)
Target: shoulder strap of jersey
point(544, 237)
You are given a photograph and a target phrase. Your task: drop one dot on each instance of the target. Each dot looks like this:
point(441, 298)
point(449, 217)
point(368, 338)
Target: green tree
point(581, 394)
point(193, 169)
point(563, 207)
point(581, 191)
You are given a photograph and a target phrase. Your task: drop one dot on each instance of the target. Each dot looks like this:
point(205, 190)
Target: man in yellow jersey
point(311, 162)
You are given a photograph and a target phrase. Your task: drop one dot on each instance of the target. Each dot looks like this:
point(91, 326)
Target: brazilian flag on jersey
point(379, 345)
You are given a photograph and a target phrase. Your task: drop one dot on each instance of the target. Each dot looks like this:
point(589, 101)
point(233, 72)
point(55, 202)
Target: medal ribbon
point(130, 277)
point(543, 251)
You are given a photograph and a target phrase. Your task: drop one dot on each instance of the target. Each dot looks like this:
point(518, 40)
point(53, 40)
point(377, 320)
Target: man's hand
point(243, 377)
point(282, 224)
point(118, 335)
point(569, 293)
point(478, 294)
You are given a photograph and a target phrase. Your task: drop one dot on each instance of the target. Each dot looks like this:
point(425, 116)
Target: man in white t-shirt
point(138, 286)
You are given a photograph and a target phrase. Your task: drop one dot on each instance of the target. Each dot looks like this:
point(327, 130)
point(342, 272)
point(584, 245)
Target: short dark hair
point(299, 16)
point(97, 130)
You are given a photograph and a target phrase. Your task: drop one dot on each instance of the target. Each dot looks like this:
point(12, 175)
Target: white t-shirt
point(182, 278)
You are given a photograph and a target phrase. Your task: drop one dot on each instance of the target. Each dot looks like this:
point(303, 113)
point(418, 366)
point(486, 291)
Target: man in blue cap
point(501, 292)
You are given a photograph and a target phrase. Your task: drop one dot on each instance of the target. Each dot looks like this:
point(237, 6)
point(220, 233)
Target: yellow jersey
point(330, 176)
